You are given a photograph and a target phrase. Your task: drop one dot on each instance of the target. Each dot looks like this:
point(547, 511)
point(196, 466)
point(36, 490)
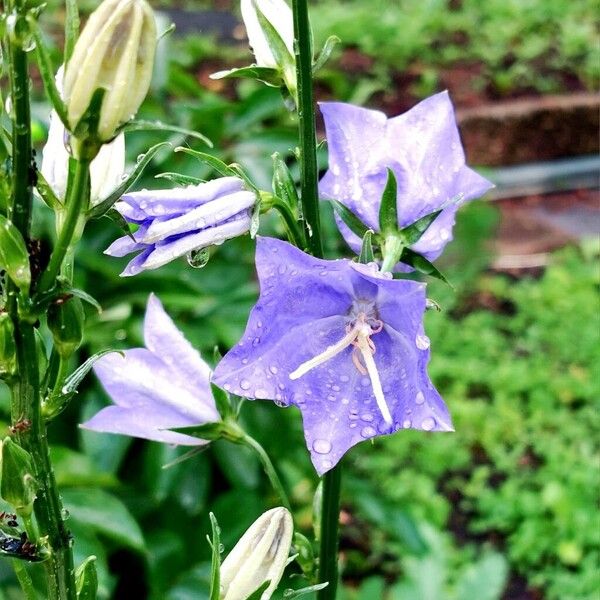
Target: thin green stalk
point(294, 232)
point(76, 203)
point(328, 558)
point(25, 404)
point(309, 170)
point(268, 468)
point(24, 579)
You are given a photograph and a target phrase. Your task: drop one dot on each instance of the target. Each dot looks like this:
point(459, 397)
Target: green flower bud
point(18, 486)
point(261, 555)
point(14, 257)
point(115, 53)
point(8, 350)
point(65, 321)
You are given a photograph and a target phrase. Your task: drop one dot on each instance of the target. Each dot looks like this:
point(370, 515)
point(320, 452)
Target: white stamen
point(330, 352)
point(367, 354)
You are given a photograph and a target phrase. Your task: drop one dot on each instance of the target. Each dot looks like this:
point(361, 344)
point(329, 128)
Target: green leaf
point(215, 571)
point(207, 431)
point(350, 219)
point(283, 184)
point(47, 193)
point(421, 264)
point(484, 579)
point(180, 179)
point(86, 579)
point(47, 72)
point(103, 513)
point(105, 205)
point(85, 297)
point(388, 209)
point(271, 77)
point(212, 161)
point(412, 233)
point(289, 593)
point(330, 43)
point(141, 125)
point(222, 401)
point(14, 257)
point(366, 251)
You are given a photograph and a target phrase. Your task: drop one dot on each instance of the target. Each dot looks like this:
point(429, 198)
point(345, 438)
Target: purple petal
point(151, 424)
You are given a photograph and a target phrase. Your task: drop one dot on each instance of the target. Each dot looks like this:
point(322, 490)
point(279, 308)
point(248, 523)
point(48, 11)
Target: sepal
point(388, 208)
point(14, 257)
point(18, 486)
point(8, 348)
point(330, 43)
point(86, 579)
point(366, 252)
point(66, 321)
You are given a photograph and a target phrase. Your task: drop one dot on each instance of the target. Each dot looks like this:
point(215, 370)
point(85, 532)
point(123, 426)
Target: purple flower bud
point(162, 386)
point(423, 149)
point(342, 342)
point(175, 222)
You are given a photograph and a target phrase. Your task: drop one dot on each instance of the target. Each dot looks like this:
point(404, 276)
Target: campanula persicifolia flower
point(172, 223)
point(423, 149)
point(162, 386)
point(342, 342)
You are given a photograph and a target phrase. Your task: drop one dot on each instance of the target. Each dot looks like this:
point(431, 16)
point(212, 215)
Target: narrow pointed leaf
point(105, 205)
point(366, 251)
point(421, 264)
point(47, 72)
point(212, 161)
point(86, 298)
point(350, 219)
point(86, 579)
point(280, 51)
point(215, 570)
point(412, 233)
point(283, 183)
point(222, 401)
point(267, 75)
point(330, 43)
point(289, 593)
point(76, 377)
point(140, 125)
point(180, 179)
point(388, 210)
point(71, 28)
point(207, 431)
point(47, 193)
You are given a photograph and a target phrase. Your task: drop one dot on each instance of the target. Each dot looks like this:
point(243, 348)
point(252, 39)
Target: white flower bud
point(106, 170)
point(115, 52)
point(261, 555)
point(279, 14)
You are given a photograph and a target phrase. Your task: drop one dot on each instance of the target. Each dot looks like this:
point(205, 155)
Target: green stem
point(330, 518)
point(392, 251)
point(25, 404)
point(306, 120)
point(24, 579)
point(268, 468)
point(75, 205)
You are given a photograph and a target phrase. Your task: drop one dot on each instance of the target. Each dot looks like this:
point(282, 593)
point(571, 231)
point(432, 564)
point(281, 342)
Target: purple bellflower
point(342, 342)
point(422, 147)
point(164, 385)
point(172, 223)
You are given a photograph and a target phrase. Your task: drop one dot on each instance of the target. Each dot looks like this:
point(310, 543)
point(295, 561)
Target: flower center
point(358, 334)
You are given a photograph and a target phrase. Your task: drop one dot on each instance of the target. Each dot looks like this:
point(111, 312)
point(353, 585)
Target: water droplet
point(245, 384)
point(256, 341)
point(321, 446)
point(368, 417)
point(368, 431)
point(422, 342)
point(227, 387)
point(331, 398)
point(365, 382)
point(65, 514)
point(428, 424)
point(419, 398)
point(273, 369)
point(198, 258)
point(406, 424)
point(344, 378)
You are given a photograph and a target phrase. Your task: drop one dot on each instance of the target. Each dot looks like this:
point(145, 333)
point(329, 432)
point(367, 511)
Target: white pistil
point(330, 352)
point(360, 337)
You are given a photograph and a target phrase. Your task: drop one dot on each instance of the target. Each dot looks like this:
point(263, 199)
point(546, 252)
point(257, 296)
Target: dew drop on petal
point(321, 446)
point(422, 342)
point(419, 398)
point(428, 424)
point(273, 369)
point(368, 431)
point(245, 384)
point(368, 417)
point(406, 424)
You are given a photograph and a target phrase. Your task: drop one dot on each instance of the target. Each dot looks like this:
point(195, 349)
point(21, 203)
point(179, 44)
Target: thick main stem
point(308, 136)
point(328, 557)
point(25, 404)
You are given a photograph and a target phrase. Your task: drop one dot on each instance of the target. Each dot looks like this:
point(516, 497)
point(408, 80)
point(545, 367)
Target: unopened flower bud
point(279, 16)
point(261, 555)
point(8, 350)
point(14, 257)
point(65, 321)
point(18, 486)
point(115, 52)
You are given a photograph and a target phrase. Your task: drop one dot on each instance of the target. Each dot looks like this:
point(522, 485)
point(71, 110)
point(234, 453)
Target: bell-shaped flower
point(279, 16)
point(160, 387)
point(342, 342)
point(172, 223)
point(106, 170)
point(115, 53)
point(261, 555)
point(423, 149)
